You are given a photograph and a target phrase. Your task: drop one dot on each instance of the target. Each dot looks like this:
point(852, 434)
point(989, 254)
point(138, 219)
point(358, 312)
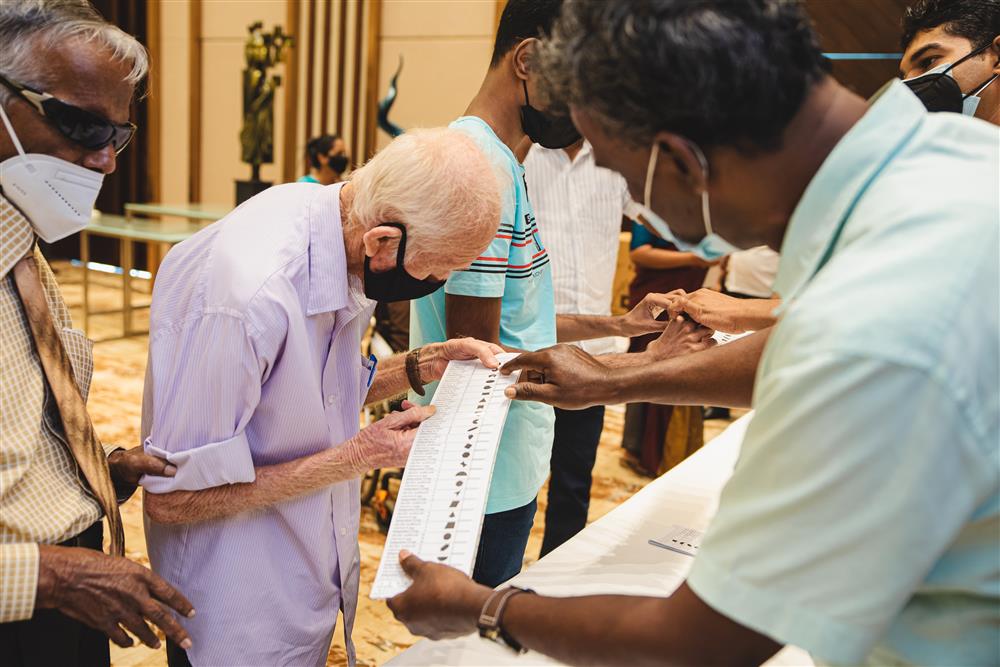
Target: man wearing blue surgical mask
point(951, 56)
point(871, 456)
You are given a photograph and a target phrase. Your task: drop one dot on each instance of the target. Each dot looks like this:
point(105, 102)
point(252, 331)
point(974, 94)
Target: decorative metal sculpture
point(385, 105)
point(263, 51)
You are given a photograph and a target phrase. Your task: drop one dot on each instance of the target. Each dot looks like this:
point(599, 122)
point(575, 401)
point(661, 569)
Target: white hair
point(436, 181)
point(30, 26)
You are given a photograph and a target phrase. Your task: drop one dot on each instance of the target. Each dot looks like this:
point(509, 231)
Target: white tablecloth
point(612, 555)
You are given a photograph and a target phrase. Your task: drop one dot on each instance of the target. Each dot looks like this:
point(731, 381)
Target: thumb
point(529, 391)
point(412, 416)
point(411, 564)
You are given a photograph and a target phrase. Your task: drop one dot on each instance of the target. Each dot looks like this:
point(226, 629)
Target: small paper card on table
point(683, 540)
point(442, 499)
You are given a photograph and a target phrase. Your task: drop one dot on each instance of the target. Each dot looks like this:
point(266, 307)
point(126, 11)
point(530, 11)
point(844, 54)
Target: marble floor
point(115, 402)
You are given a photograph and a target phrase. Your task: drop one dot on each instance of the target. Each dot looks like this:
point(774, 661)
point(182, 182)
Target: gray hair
point(29, 25)
point(718, 72)
point(436, 181)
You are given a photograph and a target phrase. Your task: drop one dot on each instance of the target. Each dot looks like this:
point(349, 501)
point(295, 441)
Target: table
point(202, 212)
point(612, 555)
point(126, 231)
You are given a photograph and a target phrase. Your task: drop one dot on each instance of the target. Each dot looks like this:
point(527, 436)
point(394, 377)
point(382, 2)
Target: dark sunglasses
point(85, 128)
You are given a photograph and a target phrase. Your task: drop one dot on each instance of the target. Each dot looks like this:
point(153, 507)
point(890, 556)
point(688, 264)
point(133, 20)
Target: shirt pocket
point(366, 377)
point(80, 350)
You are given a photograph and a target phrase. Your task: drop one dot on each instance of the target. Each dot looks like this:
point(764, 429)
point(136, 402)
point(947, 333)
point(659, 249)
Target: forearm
point(592, 630)
point(570, 328)
point(722, 376)
point(18, 581)
point(648, 257)
point(631, 630)
point(272, 484)
point(757, 314)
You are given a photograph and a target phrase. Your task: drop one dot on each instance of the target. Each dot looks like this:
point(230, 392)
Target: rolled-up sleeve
point(203, 385)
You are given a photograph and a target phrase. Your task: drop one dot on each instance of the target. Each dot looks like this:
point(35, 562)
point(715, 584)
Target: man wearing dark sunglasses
point(67, 78)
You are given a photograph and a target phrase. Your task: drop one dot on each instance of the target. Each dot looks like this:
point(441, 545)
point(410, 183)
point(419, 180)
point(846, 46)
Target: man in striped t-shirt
point(506, 294)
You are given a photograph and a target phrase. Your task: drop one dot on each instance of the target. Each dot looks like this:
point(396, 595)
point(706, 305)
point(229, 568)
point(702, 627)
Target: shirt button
point(331, 399)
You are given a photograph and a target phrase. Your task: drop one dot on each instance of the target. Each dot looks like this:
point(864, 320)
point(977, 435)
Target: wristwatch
point(413, 371)
point(491, 618)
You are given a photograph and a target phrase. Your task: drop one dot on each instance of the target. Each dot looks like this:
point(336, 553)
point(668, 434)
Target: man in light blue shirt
point(862, 521)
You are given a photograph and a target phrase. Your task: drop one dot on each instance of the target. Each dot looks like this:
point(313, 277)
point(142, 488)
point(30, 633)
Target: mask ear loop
point(647, 194)
point(966, 57)
point(981, 88)
point(10, 131)
point(706, 211)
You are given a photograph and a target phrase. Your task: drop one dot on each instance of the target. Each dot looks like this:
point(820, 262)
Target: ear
point(382, 242)
point(994, 52)
point(683, 157)
point(523, 58)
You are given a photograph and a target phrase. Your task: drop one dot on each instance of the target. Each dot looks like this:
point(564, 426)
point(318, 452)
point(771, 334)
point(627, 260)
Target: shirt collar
point(850, 168)
point(328, 283)
point(17, 236)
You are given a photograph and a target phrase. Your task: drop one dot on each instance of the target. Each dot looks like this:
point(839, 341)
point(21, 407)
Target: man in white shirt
point(579, 205)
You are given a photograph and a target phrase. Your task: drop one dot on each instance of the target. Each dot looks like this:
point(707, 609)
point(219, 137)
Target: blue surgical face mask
point(712, 246)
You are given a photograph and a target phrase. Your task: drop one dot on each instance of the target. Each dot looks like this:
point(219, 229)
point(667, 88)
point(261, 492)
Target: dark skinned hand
point(563, 375)
point(128, 465)
point(680, 337)
point(441, 603)
point(110, 593)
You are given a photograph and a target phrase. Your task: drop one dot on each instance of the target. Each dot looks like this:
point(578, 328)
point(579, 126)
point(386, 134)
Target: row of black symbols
point(461, 474)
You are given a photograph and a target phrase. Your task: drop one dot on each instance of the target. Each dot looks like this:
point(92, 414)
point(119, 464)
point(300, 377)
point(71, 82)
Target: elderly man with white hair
point(255, 381)
point(67, 78)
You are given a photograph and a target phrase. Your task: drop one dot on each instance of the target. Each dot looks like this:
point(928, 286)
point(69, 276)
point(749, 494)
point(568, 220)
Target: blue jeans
point(502, 544)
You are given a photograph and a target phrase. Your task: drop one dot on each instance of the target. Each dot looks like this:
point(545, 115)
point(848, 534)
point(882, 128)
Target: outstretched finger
point(169, 595)
point(535, 361)
point(117, 635)
point(159, 615)
point(134, 624)
point(532, 391)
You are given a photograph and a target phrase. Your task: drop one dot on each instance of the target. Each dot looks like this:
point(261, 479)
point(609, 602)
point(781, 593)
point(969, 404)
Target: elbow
point(162, 508)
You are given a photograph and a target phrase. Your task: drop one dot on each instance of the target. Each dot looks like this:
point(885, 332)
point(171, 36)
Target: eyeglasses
point(85, 128)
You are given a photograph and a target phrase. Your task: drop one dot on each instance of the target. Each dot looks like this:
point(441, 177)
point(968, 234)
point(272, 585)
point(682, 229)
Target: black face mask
point(337, 163)
point(939, 91)
point(396, 284)
point(545, 130)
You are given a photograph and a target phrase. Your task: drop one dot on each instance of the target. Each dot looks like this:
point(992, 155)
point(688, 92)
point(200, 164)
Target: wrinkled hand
point(680, 337)
point(387, 442)
point(563, 375)
point(458, 349)
point(106, 592)
point(128, 465)
point(642, 319)
point(441, 603)
point(712, 309)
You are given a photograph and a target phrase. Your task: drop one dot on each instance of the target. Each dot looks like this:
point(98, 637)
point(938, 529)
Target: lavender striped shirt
point(254, 360)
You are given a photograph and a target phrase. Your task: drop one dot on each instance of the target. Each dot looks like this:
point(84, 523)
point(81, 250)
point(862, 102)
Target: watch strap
point(413, 371)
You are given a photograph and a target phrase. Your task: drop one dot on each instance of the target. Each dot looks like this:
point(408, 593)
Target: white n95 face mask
point(56, 196)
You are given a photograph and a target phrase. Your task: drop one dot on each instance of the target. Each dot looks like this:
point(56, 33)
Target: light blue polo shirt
point(862, 522)
point(515, 268)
